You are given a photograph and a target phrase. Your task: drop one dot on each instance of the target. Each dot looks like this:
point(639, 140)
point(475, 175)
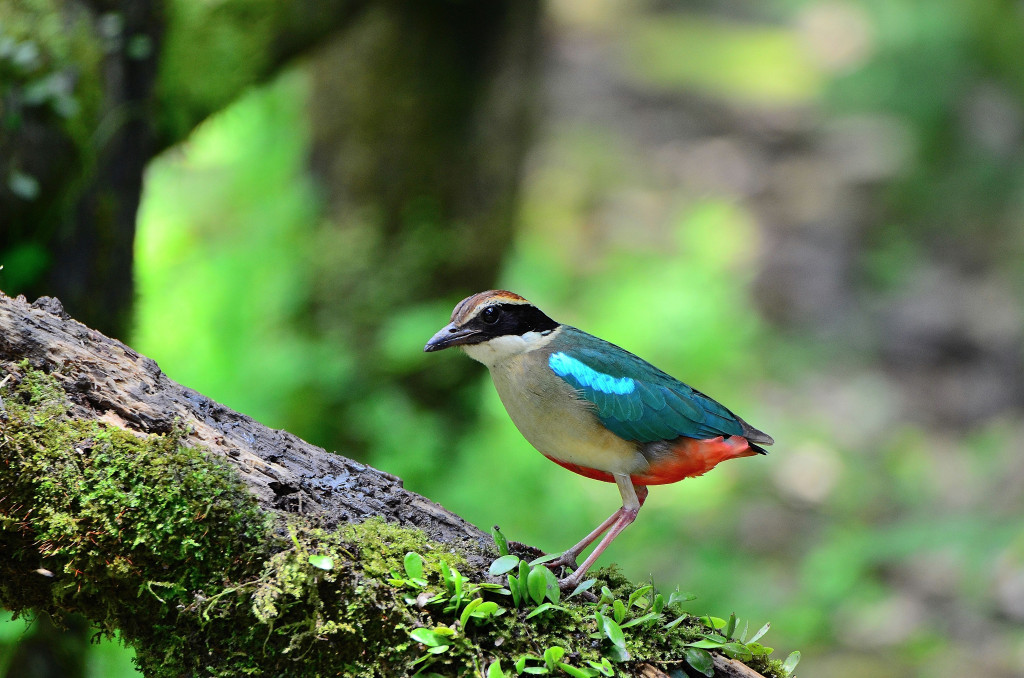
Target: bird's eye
point(490, 315)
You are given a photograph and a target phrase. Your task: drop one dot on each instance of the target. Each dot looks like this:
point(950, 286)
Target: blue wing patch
point(634, 399)
point(587, 377)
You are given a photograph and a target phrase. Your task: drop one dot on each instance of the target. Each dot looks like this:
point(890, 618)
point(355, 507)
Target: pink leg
point(632, 499)
point(568, 558)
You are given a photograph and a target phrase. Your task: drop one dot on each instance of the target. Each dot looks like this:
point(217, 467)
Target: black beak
point(447, 336)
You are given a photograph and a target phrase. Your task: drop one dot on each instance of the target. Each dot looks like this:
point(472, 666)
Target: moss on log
point(218, 547)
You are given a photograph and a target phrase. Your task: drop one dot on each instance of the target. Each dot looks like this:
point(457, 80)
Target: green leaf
point(457, 582)
point(521, 663)
point(499, 541)
point(706, 643)
point(536, 670)
point(513, 588)
point(611, 630)
point(737, 651)
point(577, 672)
point(473, 604)
point(491, 586)
point(487, 609)
point(583, 586)
point(426, 636)
point(551, 588)
point(791, 661)
point(618, 611)
point(537, 584)
point(494, 670)
point(542, 608)
point(446, 576)
point(553, 655)
point(700, 660)
point(730, 626)
point(413, 565)
point(545, 559)
point(680, 597)
point(638, 594)
point(603, 667)
point(659, 603)
point(763, 630)
point(503, 565)
point(618, 654)
point(650, 616)
point(322, 562)
point(759, 650)
point(438, 649)
point(675, 622)
point(713, 622)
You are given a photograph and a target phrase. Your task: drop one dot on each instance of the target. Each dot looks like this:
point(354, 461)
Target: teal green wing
point(637, 401)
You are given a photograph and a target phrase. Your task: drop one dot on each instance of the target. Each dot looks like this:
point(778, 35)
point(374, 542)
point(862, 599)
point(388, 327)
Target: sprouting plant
point(532, 581)
point(552, 663)
point(532, 584)
point(438, 640)
point(318, 561)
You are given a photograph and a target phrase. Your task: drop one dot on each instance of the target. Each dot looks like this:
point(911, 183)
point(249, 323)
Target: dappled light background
point(809, 209)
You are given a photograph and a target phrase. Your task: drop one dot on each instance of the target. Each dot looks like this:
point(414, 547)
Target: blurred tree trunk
point(89, 92)
point(421, 116)
point(424, 132)
point(49, 652)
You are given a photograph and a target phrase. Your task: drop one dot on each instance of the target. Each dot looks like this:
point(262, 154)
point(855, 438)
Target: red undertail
point(687, 458)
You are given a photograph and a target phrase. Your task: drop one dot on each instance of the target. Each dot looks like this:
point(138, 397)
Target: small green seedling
point(791, 661)
point(608, 628)
point(438, 640)
point(322, 562)
point(413, 565)
point(500, 541)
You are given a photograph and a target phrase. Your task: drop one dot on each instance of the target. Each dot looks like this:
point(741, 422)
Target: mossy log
point(188, 528)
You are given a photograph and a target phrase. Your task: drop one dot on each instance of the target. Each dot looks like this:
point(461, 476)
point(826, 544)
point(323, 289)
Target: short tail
point(754, 436)
point(757, 448)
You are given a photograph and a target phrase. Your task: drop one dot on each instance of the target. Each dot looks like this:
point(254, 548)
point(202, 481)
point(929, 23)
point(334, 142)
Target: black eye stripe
point(495, 320)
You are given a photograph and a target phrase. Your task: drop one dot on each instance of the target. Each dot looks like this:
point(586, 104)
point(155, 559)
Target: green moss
point(145, 535)
point(160, 540)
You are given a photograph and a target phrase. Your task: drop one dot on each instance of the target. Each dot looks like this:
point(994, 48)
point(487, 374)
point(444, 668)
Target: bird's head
point(494, 325)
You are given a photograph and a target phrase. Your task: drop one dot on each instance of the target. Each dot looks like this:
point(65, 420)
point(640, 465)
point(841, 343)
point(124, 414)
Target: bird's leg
point(632, 499)
point(569, 556)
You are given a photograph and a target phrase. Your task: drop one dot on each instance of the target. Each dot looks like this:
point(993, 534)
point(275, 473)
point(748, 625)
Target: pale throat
point(499, 349)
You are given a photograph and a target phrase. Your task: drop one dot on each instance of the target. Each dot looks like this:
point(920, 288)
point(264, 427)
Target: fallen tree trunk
point(217, 546)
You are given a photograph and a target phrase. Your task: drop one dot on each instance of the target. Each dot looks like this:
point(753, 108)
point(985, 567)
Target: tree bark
point(181, 618)
point(108, 381)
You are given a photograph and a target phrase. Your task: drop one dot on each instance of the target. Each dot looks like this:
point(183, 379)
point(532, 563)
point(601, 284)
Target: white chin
point(493, 351)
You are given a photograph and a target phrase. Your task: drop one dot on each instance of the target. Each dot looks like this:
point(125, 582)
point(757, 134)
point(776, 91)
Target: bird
point(594, 408)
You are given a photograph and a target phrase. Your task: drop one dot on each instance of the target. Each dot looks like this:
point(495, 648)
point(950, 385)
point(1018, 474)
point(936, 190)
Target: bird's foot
point(567, 559)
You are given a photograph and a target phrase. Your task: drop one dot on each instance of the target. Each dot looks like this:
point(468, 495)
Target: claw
point(567, 559)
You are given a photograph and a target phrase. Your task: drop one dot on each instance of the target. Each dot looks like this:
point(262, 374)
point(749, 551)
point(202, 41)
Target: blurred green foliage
point(107, 658)
point(874, 545)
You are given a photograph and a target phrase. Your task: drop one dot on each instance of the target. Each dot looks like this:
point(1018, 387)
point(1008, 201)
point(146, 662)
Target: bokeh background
point(810, 209)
